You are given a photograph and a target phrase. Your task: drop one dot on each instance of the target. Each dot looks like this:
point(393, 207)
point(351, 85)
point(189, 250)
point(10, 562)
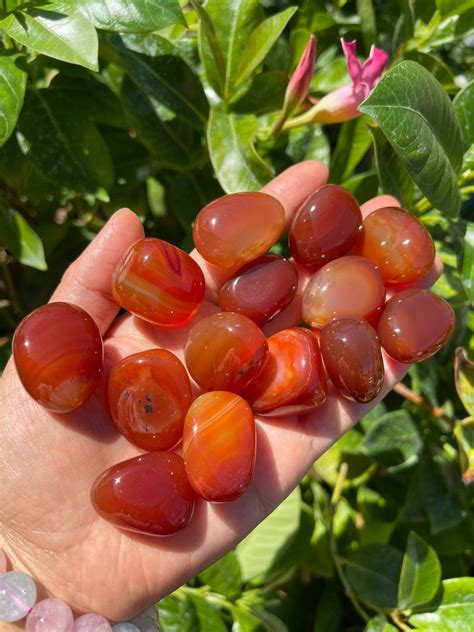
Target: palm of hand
point(51, 529)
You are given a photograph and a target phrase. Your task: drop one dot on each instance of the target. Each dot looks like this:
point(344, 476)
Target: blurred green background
point(163, 106)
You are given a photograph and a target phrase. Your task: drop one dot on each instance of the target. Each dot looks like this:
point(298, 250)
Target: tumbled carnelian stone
point(326, 226)
point(238, 228)
point(158, 282)
point(219, 446)
point(415, 324)
point(58, 354)
point(149, 394)
point(225, 351)
point(148, 494)
point(293, 375)
point(261, 289)
point(398, 244)
point(352, 356)
point(349, 286)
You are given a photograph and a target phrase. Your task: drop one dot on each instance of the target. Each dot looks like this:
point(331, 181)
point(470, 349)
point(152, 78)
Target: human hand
point(50, 461)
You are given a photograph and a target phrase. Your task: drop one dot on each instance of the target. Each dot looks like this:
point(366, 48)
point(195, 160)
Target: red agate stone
point(225, 351)
point(58, 354)
point(398, 244)
point(261, 289)
point(293, 375)
point(415, 324)
point(149, 394)
point(349, 286)
point(238, 228)
point(352, 356)
point(326, 226)
point(158, 282)
point(149, 494)
point(219, 446)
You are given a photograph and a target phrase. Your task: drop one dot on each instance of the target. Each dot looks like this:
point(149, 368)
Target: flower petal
point(374, 66)
point(354, 67)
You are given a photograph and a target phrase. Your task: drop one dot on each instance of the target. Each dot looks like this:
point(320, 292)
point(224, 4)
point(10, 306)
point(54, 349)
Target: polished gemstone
point(225, 351)
point(91, 623)
point(349, 286)
point(145, 623)
point(50, 614)
point(352, 356)
point(292, 379)
point(326, 226)
point(415, 324)
point(158, 282)
point(219, 445)
point(261, 289)
point(149, 394)
point(125, 627)
point(398, 244)
point(149, 494)
point(238, 228)
point(58, 354)
point(17, 596)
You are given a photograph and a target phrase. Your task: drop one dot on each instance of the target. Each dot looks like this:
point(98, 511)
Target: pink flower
point(298, 86)
point(341, 104)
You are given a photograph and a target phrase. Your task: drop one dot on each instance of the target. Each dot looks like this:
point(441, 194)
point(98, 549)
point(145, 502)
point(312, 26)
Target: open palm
point(50, 461)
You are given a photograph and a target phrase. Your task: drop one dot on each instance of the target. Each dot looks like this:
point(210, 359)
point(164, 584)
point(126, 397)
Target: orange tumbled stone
point(238, 228)
point(398, 244)
point(415, 324)
point(158, 282)
point(58, 354)
point(352, 356)
point(149, 394)
point(292, 379)
point(148, 494)
point(349, 286)
point(219, 446)
point(225, 351)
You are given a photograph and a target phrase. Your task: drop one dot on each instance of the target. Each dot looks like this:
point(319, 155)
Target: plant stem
point(397, 619)
point(419, 400)
point(10, 286)
point(336, 496)
point(5, 8)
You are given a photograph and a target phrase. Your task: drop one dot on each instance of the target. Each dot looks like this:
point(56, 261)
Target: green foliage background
point(162, 106)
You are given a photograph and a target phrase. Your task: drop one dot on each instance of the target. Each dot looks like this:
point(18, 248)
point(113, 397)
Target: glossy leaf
point(452, 611)
point(453, 7)
point(422, 128)
point(208, 616)
point(63, 143)
point(464, 433)
point(352, 144)
point(393, 176)
point(464, 106)
point(265, 93)
point(467, 269)
point(259, 550)
point(12, 92)
point(421, 573)
point(55, 29)
point(207, 31)
point(231, 147)
point(464, 379)
point(435, 65)
point(329, 609)
point(373, 573)
point(379, 624)
point(177, 615)
point(441, 486)
point(17, 236)
point(131, 15)
point(224, 576)
point(308, 143)
point(260, 42)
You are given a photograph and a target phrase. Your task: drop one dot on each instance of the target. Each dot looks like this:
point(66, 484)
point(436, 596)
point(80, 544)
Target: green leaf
point(12, 92)
point(63, 142)
point(394, 178)
point(464, 107)
point(208, 616)
point(308, 143)
point(364, 186)
point(233, 22)
point(245, 621)
point(206, 29)
point(379, 624)
point(265, 93)
point(260, 42)
point(224, 576)
point(422, 128)
point(440, 485)
point(17, 236)
point(373, 573)
point(352, 144)
point(260, 549)
point(467, 269)
point(237, 165)
point(393, 440)
point(55, 29)
point(136, 16)
point(368, 23)
point(421, 574)
point(166, 79)
point(330, 75)
point(464, 433)
point(378, 517)
point(329, 609)
point(177, 615)
point(436, 66)
point(464, 379)
point(453, 611)
point(453, 7)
